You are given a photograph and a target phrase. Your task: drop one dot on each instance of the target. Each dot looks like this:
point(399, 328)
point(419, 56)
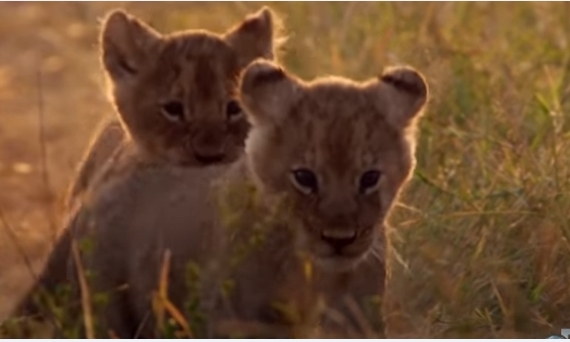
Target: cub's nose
point(207, 153)
point(338, 239)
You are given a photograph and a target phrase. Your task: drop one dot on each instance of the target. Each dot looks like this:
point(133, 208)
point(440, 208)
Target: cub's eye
point(173, 111)
point(233, 110)
point(305, 180)
point(369, 181)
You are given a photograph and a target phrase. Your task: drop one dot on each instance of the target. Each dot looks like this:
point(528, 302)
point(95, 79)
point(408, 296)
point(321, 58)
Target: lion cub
point(293, 233)
point(176, 99)
point(325, 160)
point(175, 93)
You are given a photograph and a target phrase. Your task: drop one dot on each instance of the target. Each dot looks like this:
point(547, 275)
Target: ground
point(481, 241)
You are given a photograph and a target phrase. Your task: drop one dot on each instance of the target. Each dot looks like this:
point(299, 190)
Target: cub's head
point(176, 93)
point(340, 151)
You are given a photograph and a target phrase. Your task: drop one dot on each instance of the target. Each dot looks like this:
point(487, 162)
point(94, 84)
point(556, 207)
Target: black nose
point(338, 243)
point(209, 159)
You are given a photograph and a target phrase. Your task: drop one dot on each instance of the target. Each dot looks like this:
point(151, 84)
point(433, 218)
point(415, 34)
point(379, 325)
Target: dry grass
point(482, 244)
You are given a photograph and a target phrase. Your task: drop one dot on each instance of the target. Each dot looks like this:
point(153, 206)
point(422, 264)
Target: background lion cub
point(176, 100)
point(175, 94)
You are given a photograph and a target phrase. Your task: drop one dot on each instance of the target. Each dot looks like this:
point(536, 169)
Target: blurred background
point(481, 240)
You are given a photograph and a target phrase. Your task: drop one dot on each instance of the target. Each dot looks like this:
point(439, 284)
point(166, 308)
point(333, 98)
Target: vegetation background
point(481, 241)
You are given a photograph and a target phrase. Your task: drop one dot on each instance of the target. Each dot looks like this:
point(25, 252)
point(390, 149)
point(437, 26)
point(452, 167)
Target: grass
point(481, 241)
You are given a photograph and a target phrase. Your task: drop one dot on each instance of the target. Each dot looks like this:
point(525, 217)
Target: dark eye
point(369, 180)
point(233, 109)
point(173, 111)
point(305, 180)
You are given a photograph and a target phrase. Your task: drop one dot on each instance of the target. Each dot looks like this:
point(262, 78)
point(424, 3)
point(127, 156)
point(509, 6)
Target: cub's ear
point(268, 92)
point(255, 37)
point(405, 94)
point(125, 43)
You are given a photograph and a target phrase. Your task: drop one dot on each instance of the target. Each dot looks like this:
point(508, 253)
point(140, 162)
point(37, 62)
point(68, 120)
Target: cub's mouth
point(341, 250)
point(208, 159)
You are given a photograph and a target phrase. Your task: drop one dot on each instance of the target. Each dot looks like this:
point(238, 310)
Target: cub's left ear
point(126, 43)
point(254, 37)
point(267, 92)
point(405, 93)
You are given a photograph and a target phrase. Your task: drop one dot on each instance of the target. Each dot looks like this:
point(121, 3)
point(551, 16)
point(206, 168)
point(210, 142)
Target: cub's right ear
point(125, 43)
point(405, 95)
point(258, 36)
point(268, 92)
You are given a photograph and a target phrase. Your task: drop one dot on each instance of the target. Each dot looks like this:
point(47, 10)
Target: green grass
point(481, 242)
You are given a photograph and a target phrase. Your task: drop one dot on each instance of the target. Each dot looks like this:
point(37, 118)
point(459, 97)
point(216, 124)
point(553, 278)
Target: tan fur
point(289, 278)
point(147, 70)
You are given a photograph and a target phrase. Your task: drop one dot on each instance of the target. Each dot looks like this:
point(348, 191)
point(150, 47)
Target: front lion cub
point(326, 159)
